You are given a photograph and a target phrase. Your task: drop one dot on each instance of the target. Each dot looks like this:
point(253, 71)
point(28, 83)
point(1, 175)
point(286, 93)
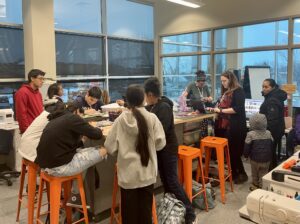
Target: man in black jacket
point(168, 156)
point(60, 151)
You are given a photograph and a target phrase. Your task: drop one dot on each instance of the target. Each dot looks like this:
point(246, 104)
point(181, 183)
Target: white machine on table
point(289, 187)
point(266, 207)
point(278, 202)
point(6, 116)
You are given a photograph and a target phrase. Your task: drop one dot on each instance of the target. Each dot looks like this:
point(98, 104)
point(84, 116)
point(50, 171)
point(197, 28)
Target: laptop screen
point(252, 107)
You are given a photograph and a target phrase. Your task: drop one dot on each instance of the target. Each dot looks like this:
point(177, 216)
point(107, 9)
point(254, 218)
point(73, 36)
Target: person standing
point(231, 123)
point(28, 99)
point(136, 135)
point(273, 108)
point(258, 146)
point(198, 90)
point(167, 158)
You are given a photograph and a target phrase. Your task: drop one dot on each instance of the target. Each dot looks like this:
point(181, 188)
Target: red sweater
point(29, 105)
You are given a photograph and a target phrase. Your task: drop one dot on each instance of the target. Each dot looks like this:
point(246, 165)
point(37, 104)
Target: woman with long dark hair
point(168, 157)
point(273, 108)
point(136, 135)
point(231, 123)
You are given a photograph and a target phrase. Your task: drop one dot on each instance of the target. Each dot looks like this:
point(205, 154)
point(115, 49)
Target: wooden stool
point(55, 185)
point(186, 156)
point(32, 169)
point(221, 147)
point(117, 216)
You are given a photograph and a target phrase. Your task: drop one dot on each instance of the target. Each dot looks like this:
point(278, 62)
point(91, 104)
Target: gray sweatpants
point(258, 171)
point(82, 160)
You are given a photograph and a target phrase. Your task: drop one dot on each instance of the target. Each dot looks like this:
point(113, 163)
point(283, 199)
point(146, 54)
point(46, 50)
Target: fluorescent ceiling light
point(186, 3)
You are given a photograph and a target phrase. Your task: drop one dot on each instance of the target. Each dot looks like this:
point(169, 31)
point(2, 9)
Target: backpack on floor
point(170, 210)
point(198, 201)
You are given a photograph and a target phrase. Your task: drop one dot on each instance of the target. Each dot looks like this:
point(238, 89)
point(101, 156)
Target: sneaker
point(75, 201)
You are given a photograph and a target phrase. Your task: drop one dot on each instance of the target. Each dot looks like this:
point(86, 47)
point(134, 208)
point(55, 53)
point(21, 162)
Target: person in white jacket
point(31, 137)
point(136, 135)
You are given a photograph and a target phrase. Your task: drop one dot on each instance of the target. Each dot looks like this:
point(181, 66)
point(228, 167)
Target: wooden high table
point(100, 199)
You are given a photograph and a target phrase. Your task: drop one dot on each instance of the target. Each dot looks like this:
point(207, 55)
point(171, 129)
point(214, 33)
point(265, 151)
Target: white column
point(39, 36)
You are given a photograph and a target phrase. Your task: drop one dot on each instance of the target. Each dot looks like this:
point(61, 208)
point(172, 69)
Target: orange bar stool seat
point(186, 156)
point(116, 215)
point(32, 170)
point(55, 185)
point(221, 146)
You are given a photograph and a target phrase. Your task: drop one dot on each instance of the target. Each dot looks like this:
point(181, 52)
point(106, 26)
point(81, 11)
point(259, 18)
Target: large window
point(74, 89)
point(258, 35)
point(180, 71)
point(191, 42)
point(277, 60)
point(130, 58)
point(11, 11)
point(296, 34)
point(7, 91)
point(78, 55)
point(122, 46)
point(129, 19)
point(118, 87)
point(11, 53)
point(78, 15)
point(296, 77)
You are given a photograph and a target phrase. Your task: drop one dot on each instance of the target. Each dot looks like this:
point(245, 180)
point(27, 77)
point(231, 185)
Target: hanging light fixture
point(192, 4)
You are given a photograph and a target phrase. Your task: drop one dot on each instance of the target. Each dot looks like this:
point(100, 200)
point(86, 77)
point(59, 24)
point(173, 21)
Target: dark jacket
point(29, 105)
point(60, 139)
point(238, 126)
point(297, 128)
point(84, 105)
point(273, 108)
point(258, 143)
point(164, 111)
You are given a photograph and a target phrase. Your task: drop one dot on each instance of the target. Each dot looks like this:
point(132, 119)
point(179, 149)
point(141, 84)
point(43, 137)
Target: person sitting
point(105, 97)
point(55, 91)
point(60, 151)
point(31, 137)
point(91, 102)
point(293, 137)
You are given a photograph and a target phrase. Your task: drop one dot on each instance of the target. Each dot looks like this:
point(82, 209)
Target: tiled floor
point(222, 213)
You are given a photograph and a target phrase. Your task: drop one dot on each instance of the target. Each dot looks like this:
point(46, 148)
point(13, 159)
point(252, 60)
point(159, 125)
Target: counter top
point(193, 118)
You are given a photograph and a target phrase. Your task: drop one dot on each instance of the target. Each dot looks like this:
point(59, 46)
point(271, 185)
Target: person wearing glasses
point(28, 99)
point(198, 90)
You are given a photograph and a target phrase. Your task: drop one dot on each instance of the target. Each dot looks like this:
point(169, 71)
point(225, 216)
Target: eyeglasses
point(41, 78)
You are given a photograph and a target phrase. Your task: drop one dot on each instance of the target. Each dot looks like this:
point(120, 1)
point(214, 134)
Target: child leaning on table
point(258, 146)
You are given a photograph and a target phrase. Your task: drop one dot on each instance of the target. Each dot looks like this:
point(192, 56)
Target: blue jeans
point(82, 160)
point(167, 166)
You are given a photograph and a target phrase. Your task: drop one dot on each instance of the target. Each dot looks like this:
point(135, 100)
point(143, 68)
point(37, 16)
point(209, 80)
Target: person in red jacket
point(28, 99)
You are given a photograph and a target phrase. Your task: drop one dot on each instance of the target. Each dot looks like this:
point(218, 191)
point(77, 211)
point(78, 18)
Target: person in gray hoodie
point(136, 135)
point(258, 146)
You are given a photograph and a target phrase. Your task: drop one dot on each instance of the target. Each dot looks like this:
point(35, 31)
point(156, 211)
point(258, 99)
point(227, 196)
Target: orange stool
point(186, 156)
point(55, 184)
point(32, 169)
point(117, 216)
point(221, 146)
